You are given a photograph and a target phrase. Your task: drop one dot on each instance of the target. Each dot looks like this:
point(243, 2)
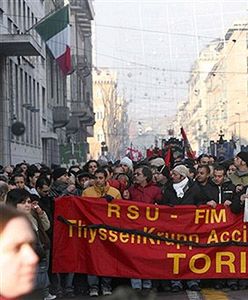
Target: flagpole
point(42, 19)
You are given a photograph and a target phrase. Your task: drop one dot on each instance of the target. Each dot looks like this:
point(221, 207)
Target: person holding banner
point(239, 204)
point(222, 192)
point(240, 176)
point(182, 191)
point(100, 189)
point(143, 190)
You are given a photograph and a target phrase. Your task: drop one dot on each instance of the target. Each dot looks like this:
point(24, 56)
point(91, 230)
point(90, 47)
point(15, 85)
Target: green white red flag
point(55, 31)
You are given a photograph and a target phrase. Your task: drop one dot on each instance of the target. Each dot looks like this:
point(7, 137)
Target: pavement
point(205, 294)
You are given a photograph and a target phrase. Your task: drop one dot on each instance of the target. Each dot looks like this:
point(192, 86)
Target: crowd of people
point(32, 190)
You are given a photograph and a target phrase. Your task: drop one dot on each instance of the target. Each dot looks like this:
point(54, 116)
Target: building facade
point(22, 80)
point(74, 148)
point(111, 128)
point(33, 90)
point(218, 92)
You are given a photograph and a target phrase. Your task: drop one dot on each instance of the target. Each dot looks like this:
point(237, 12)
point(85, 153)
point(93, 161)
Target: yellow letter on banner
point(176, 257)
point(114, 209)
point(218, 218)
point(73, 222)
point(193, 260)
point(199, 214)
point(155, 214)
point(133, 212)
point(229, 262)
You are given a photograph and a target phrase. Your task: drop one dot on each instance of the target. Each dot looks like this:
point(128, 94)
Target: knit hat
point(244, 156)
point(182, 170)
point(59, 172)
point(157, 162)
point(127, 162)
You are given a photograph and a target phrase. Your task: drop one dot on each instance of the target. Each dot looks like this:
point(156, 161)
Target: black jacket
point(212, 191)
point(192, 195)
point(236, 206)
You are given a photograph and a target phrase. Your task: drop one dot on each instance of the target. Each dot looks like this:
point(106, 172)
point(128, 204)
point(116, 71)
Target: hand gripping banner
point(135, 240)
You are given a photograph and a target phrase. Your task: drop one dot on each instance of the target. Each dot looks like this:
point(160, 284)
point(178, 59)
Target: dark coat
point(236, 206)
point(192, 195)
point(211, 191)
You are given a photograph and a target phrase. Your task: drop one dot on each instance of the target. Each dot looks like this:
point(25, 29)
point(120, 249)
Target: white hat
point(182, 170)
point(127, 162)
point(157, 162)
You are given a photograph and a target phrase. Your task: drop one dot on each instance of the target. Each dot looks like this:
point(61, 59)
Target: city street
point(205, 294)
point(123, 149)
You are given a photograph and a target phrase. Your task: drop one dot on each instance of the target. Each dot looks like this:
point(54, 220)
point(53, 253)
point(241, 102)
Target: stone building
point(111, 128)
point(33, 89)
point(218, 92)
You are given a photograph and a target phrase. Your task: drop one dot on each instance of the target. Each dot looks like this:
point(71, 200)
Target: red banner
point(135, 240)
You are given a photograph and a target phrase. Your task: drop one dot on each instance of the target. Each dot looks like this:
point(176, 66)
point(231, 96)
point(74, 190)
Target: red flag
point(167, 158)
point(190, 153)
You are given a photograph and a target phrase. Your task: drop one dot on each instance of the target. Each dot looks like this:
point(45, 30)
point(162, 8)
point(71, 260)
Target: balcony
point(83, 112)
point(19, 45)
point(83, 7)
point(73, 126)
point(61, 116)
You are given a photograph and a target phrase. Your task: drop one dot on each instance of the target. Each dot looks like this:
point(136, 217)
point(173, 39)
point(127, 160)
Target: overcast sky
point(152, 44)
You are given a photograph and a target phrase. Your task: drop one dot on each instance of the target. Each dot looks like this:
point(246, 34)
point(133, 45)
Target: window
point(33, 20)
point(30, 122)
point(43, 102)
point(21, 100)
point(17, 92)
point(24, 15)
point(14, 10)
point(51, 77)
point(37, 132)
point(34, 114)
point(19, 13)
point(1, 16)
point(29, 18)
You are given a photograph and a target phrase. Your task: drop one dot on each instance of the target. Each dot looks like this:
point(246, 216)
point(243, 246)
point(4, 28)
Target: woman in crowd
point(18, 260)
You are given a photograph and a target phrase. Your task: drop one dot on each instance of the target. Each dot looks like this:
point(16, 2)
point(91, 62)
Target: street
point(205, 294)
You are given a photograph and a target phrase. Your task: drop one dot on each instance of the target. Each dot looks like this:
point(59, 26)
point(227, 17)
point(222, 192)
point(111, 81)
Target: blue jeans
point(93, 282)
point(141, 283)
point(189, 283)
point(42, 279)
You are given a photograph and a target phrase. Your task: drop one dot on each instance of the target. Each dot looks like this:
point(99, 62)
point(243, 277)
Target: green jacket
point(239, 178)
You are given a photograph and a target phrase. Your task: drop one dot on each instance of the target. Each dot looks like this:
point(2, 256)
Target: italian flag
point(55, 31)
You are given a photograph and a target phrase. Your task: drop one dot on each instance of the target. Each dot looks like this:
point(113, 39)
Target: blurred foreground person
point(18, 260)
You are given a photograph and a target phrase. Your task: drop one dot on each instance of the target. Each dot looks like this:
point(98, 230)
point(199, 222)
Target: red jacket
point(148, 194)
